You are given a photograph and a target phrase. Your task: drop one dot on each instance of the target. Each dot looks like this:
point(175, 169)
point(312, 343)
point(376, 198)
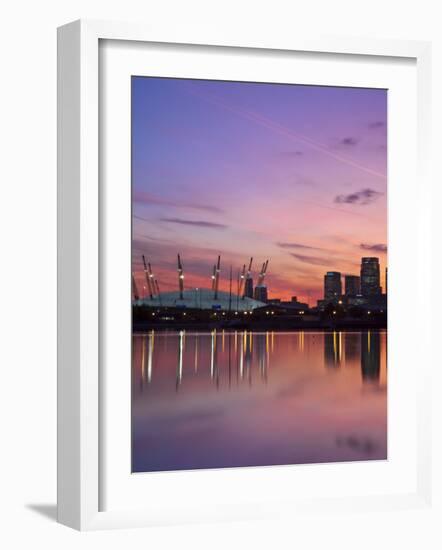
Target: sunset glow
point(293, 174)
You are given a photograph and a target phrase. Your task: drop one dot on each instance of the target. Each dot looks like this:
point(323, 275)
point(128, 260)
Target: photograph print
point(259, 274)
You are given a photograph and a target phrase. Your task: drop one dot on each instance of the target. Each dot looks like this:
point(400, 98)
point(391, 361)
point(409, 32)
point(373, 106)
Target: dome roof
point(202, 298)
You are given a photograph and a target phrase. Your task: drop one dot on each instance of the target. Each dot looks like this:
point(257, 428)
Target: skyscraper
point(370, 277)
point(332, 285)
point(352, 285)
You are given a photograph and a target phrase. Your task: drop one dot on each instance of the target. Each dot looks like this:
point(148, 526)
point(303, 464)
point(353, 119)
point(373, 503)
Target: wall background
point(28, 261)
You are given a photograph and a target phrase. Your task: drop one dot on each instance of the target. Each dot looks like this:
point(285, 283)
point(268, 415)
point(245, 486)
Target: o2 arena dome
point(202, 298)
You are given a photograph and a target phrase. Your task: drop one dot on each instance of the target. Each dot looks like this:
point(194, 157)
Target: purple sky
point(295, 174)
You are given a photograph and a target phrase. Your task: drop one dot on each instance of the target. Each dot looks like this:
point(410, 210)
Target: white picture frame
point(79, 261)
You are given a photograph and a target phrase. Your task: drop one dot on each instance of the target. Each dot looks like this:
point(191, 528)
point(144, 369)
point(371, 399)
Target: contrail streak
point(282, 130)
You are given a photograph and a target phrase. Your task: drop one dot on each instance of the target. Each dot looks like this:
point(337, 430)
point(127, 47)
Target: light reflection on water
point(226, 399)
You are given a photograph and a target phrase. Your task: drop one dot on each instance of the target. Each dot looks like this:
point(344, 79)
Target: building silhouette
point(332, 285)
point(248, 288)
point(260, 293)
point(352, 285)
point(370, 277)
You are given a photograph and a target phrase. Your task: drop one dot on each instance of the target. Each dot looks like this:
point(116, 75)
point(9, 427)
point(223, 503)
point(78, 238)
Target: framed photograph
point(236, 289)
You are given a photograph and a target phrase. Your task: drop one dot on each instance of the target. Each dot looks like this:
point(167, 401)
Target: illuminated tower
point(370, 277)
point(332, 285)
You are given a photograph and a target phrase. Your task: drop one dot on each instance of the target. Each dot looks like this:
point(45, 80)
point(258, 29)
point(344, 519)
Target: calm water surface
point(226, 399)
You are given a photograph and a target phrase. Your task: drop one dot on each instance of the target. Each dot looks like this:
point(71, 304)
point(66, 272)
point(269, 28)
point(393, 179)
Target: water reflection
point(352, 346)
point(338, 347)
point(333, 349)
point(371, 356)
point(310, 416)
point(179, 371)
